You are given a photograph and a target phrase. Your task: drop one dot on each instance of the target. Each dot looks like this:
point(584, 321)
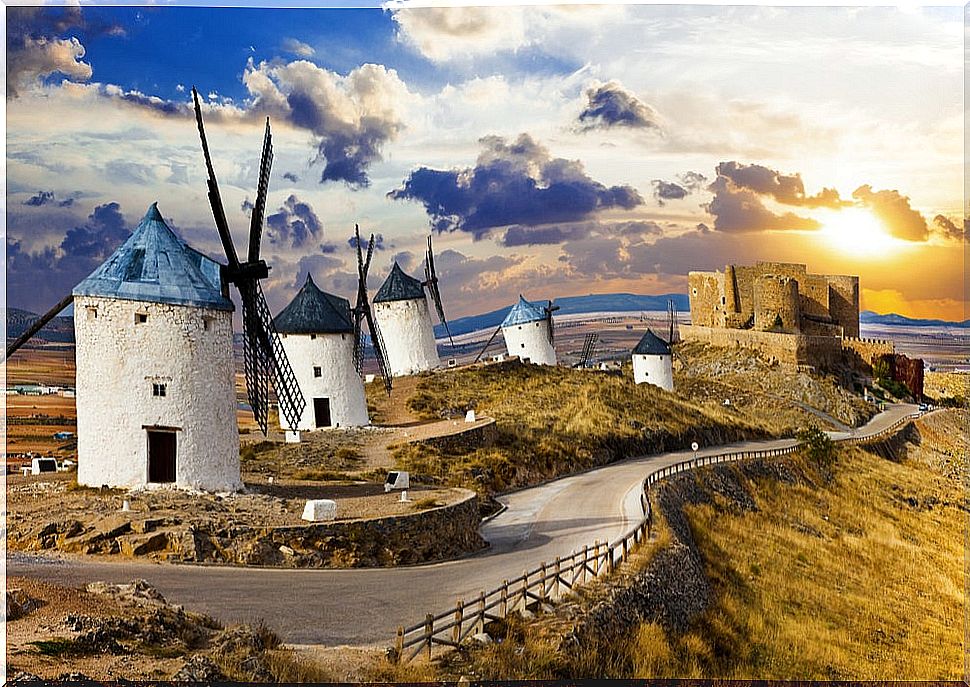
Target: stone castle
point(778, 297)
point(791, 316)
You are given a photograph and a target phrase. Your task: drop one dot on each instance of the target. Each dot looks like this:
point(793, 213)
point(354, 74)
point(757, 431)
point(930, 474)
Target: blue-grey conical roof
point(525, 311)
point(399, 287)
point(156, 266)
point(651, 344)
point(313, 311)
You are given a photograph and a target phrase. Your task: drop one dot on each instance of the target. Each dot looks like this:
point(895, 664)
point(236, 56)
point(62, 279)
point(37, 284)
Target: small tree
point(818, 445)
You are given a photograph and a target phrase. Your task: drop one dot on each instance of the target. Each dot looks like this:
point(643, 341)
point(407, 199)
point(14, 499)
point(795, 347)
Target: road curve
point(365, 606)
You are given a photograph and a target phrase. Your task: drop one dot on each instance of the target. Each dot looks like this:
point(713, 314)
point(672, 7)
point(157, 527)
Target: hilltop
point(60, 329)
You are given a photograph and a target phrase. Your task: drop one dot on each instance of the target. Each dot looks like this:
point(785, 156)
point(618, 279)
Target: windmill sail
point(37, 325)
point(488, 343)
point(264, 357)
point(431, 281)
point(362, 311)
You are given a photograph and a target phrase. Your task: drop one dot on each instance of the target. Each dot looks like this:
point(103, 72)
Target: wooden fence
point(541, 587)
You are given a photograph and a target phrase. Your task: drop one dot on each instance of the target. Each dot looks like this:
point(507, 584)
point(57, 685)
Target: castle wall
point(776, 304)
point(530, 341)
point(868, 350)
point(189, 350)
point(787, 349)
point(408, 336)
point(705, 290)
point(333, 354)
point(844, 302)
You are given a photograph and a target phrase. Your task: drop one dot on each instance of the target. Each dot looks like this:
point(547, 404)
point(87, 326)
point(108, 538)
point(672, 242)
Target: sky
point(550, 150)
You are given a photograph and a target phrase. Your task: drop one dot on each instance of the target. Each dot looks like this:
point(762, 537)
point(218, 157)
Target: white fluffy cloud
point(37, 58)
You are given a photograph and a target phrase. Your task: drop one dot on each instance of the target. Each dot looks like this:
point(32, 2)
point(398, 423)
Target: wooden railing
point(542, 586)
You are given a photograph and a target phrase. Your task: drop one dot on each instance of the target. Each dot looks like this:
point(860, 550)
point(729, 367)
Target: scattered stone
point(481, 638)
point(19, 604)
point(139, 545)
point(138, 591)
point(199, 669)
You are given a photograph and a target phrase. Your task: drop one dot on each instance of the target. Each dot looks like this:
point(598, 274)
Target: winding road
point(365, 606)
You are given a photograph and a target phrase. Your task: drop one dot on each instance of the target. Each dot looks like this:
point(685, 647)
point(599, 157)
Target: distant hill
point(60, 329)
point(869, 317)
point(572, 305)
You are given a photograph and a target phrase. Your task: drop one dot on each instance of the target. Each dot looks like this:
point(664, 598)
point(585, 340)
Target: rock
point(147, 525)
point(287, 551)
point(481, 638)
point(24, 676)
point(19, 604)
point(199, 669)
point(141, 544)
point(139, 591)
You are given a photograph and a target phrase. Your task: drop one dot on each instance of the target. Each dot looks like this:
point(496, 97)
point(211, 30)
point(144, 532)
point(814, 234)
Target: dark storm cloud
point(737, 209)
point(894, 210)
point(948, 227)
point(518, 235)
point(290, 176)
point(784, 188)
point(512, 183)
point(322, 268)
point(378, 242)
point(293, 224)
point(40, 198)
point(37, 280)
point(611, 105)
point(667, 190)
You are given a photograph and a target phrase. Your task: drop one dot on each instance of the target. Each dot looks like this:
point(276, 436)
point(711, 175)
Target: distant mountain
point(572, 305)
point(869, 317)
point(60, 329)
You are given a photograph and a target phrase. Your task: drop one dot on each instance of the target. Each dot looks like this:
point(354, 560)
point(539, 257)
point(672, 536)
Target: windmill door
point(161, 456)
point(321, 412)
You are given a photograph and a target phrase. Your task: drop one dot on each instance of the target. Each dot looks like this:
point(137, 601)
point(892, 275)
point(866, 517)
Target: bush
point(819, 447)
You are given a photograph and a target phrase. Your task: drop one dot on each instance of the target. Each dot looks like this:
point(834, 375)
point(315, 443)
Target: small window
point(141, 318)
point(313, 336)
point(158, 389)
point(206, 323)
point(523, 345)
point(723, 300)
point(694, 291)
point(92, 313)
point(317, 372)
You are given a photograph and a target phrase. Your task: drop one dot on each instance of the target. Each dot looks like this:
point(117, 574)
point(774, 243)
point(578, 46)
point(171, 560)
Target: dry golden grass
point(553, 421)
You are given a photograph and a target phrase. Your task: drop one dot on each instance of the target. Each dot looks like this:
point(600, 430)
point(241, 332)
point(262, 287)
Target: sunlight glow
point(859, 233)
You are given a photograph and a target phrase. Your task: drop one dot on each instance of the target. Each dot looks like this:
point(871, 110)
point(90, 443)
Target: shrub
point(819, 447)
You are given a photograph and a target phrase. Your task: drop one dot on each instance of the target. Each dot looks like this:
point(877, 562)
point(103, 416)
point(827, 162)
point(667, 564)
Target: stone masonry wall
point(462, 442)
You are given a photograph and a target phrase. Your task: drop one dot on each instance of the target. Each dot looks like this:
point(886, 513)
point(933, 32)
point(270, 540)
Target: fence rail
point(540, 587)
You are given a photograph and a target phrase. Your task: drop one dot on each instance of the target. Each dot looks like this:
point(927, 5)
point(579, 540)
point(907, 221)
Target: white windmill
point(529, 332)
point(402, 315)
point(653, 362)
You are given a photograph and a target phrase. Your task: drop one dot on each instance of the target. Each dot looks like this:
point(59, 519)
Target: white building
point(317, 333)
point(527, 331)
point(402, 315)
point(155, 378)
point(653, 362)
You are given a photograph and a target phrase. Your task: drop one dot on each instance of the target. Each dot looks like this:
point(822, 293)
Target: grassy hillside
point(553, 421)
point(855, 574)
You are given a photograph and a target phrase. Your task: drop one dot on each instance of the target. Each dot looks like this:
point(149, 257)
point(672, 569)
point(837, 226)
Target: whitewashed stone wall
point(530, 341)
point(338, 380)
point(654, 369)
point(408, 336)
point(117, 363)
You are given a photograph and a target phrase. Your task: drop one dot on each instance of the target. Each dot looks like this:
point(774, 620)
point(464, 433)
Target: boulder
point(19, 604)
point(317, 510)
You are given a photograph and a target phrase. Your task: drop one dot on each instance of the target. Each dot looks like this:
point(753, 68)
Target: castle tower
point(527, 333)
point(317, 333)
point(776, 304)
point(653, 362)
point(156, 402)
point(402, 315)
point(730, 291)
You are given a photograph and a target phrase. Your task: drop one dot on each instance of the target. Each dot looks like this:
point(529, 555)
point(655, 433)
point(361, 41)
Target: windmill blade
point(359, 307)
point(552, 329)
point(256, 369)
point(432, 284)
point(215, 200)
point(377, 340)
point(259, 207)
point(38, 325)
point(488, 343)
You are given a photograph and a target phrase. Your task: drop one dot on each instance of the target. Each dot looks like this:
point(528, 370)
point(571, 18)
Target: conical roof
point(156, 266)
point(651, 344)
point(313, 311)
point(525, 311)
point(399, 287)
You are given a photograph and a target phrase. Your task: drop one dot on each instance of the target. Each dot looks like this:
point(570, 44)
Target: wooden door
point(321, 412)
point(161, 456)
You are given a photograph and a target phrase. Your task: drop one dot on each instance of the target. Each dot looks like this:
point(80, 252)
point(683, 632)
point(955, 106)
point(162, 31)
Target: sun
point(857, 232)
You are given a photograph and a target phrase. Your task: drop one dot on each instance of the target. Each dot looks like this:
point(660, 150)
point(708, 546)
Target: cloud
point(41, 198)
point(353, 116)
point(297, 47)
point(667, 190)
point(894, 210)
point(948, 227)
point(518, 235)
point(378, 242)
point(290, 176)
point(610, 105)
point(516, 182)
point(80, 252)
point(738, 209)
point(692, 181)
point(293, 224)
point(787, 189)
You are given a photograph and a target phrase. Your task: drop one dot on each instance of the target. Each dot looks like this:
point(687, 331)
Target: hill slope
point(60, 329)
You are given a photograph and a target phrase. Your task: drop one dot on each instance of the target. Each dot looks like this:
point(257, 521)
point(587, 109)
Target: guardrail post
point(481, 612)
point(459, 619)
point(428, 632)
point(626, 551)
point(505, 599)
point(609, 559)
point(556, 591)
point(542, 584)
point(596, 556)
point(585, 562)
point(399, 644)
point(525, 589)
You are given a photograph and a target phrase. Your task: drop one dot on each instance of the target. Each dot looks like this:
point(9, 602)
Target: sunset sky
point(553, 151)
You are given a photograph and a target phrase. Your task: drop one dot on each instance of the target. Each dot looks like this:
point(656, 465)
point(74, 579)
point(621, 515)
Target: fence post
point(625, 549)
point(399, 644)
point(459, 619)
point(525, 588)
point(609, 559)
point(481, 612)
point(505, 599)
point(585, 561)
point(556, 591)
point(596, 556)
point(542, 584)
point(428, 631)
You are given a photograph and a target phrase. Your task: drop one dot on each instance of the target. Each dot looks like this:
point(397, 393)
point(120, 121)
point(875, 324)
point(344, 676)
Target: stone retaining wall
point(464, 441)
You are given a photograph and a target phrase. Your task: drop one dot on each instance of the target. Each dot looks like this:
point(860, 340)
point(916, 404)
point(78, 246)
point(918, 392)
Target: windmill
point(525, 335)
point(265, 359)
point(431, 284)
point(588, 345)
point(362, 311)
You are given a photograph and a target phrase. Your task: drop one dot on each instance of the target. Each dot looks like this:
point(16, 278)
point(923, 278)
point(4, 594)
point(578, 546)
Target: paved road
point(362, 607)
